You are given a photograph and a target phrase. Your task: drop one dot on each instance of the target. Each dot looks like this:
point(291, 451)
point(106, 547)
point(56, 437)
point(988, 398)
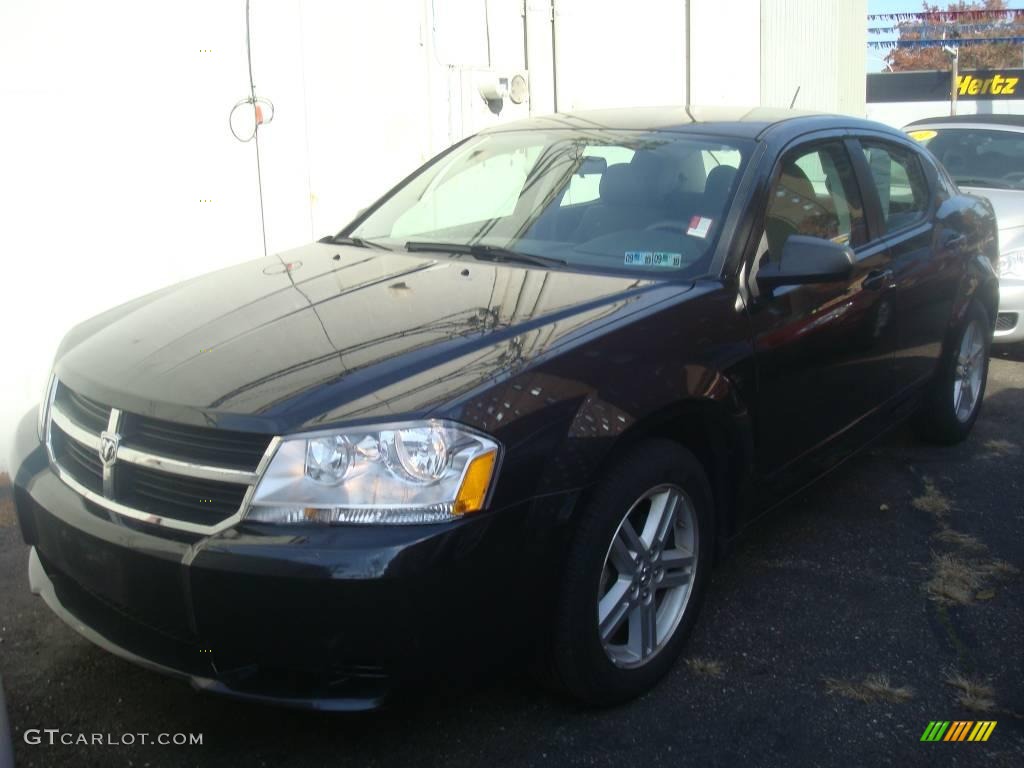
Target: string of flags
point(940, 28)
point(927, 28)
point(960, 43)
point(1002, 14)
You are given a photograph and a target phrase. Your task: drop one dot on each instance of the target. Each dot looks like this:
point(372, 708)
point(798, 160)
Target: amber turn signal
point(473, 491)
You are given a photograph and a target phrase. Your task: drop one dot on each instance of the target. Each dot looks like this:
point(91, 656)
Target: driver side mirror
point(806, 260)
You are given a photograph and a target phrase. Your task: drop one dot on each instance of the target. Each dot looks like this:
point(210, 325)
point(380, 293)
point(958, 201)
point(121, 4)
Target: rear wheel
point(635, 576)
point(954, 400)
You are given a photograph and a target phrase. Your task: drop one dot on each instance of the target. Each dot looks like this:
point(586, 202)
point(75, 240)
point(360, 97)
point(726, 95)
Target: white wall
point(367, 96)
point(114, 132)
point(725, 62)
point(114, 129)
point(898, 114)
point(611, 53)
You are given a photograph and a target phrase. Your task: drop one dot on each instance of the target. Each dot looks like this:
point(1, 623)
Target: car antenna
point(795, 94)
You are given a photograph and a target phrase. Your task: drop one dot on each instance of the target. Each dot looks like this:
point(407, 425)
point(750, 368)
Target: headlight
point(423, 472)
point(1011, 264)
point(44, 409)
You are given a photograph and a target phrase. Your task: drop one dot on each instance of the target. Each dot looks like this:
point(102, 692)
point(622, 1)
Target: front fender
point(976, 219)
point(684, 371)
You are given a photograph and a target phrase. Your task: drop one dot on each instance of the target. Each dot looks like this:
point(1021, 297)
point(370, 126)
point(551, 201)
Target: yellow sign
point(922, 135)
point(996, 85)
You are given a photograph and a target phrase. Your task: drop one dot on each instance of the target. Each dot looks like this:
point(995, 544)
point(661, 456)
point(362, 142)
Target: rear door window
point(899, 178)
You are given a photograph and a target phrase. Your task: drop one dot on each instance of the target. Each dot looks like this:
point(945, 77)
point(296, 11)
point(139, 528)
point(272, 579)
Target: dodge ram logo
point(108, 447)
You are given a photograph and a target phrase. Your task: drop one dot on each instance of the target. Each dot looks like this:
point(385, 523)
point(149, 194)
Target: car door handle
point(878, 279)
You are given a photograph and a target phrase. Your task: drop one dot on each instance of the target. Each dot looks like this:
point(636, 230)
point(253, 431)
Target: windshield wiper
point(358, 242)
point(486, 253)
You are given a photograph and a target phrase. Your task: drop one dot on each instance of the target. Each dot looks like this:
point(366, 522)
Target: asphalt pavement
point(887, 597)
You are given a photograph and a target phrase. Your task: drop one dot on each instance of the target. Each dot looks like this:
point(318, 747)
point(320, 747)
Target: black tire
point(580, 664)
point(937, 420)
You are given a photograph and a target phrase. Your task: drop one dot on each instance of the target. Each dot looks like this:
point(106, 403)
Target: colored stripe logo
point(958, 730)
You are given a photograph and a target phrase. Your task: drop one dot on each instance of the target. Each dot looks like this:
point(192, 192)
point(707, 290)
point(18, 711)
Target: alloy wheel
point(647, 576)
point(970, 365)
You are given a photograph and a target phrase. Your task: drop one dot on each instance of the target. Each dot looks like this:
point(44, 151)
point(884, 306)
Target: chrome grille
point(194, 479)
point(239, 450)
point(86, 412)
point(205, 502)
point(81, 461)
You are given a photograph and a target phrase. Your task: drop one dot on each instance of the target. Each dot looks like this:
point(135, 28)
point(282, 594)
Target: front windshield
point(622, 201)
point(977, 157)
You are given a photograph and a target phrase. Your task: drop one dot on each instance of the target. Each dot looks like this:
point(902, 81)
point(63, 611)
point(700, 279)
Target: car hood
point(327, 333)
point(1009, 208)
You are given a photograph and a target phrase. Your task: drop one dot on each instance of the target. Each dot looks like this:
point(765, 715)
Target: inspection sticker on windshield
point(653, 259)
point(699, 226)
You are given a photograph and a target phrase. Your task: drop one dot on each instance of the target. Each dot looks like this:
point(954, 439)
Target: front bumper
point(304, 615)
point(1010, 320)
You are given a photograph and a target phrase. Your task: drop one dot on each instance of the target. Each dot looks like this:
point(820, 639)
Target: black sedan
point(516, 409)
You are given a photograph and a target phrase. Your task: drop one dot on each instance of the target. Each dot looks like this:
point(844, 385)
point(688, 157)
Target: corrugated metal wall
point(818, 46)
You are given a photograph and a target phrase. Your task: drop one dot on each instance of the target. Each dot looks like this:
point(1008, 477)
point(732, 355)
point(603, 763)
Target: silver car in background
point(985, 156)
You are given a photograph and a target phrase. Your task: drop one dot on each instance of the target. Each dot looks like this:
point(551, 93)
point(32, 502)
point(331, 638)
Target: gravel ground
point(830, 638)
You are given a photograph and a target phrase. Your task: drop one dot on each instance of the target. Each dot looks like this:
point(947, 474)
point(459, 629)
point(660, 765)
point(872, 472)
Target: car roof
point(1017, 121)
point(737, 122)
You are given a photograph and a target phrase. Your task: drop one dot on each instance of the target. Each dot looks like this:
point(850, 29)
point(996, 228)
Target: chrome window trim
point(153, 461)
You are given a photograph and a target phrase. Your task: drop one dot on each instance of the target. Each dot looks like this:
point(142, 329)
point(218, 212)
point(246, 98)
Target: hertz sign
point(1000, 85)
point(993, 85)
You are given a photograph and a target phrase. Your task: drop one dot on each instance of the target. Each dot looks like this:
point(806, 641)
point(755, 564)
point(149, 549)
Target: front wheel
point(954, 400)
point(635, 575)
